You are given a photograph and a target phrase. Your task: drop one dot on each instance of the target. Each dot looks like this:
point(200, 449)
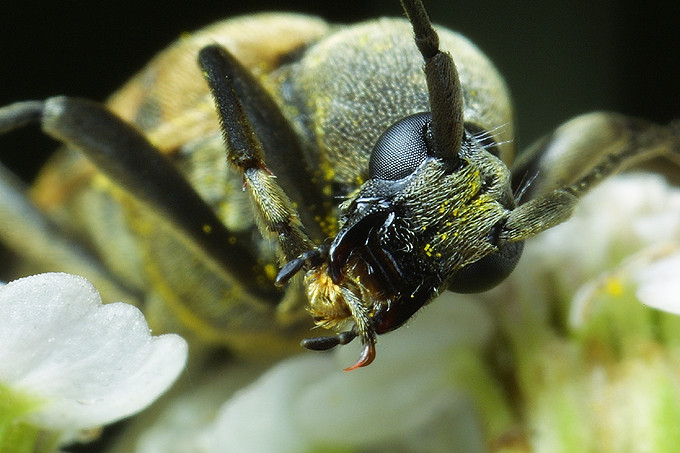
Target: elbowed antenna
point(443, 85)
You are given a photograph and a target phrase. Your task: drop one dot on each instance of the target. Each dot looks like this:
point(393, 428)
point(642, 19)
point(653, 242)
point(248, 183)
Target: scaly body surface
point(383, 183)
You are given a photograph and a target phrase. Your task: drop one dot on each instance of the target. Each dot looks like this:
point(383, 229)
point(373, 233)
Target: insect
point(364, 173)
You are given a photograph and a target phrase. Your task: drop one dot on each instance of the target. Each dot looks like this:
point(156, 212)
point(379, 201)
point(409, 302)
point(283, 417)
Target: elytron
point(271, 166)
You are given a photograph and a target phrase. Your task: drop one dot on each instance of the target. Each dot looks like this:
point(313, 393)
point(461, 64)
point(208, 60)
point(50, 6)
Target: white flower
point(308, 403)
point(599, 369)
point(84, 363)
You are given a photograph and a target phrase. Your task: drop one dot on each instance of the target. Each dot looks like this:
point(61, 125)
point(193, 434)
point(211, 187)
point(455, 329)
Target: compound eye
point(401, 148)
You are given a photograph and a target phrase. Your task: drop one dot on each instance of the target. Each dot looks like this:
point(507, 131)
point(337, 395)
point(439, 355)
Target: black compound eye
point(401, 148)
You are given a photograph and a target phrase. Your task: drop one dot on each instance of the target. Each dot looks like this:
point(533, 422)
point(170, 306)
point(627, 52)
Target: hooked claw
point(310, 258)
point(367, 356)
point(325, 343)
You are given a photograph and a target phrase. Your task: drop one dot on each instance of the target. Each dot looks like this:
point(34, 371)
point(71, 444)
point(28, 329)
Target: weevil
point(378, 166)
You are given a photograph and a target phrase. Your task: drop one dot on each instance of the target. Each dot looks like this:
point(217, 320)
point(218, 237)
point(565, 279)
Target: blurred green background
point(560, 58)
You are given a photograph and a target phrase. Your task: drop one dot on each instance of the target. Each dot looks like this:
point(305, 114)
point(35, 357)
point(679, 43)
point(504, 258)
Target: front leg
point(575, 158)
point(236, 98)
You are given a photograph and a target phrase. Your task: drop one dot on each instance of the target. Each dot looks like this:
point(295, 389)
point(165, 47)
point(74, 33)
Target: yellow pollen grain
point(328, 173)
point(614, 287)
point(270, 271)
point(207, 229)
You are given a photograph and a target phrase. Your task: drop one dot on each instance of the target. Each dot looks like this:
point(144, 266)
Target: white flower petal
point(179, 426)
point(660, 284)
point(308, 402)
point(91, 363)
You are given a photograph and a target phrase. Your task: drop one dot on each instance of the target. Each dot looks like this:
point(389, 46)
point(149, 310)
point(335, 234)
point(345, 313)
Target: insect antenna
point(443, 85)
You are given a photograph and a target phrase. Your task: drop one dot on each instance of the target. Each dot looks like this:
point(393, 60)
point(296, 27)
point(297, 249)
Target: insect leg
point(578, 156)
point(128, 159)
point(33, 236)
point(276, 212)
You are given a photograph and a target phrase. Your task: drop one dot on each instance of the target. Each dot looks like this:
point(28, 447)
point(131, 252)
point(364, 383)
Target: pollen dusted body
point(375, 164)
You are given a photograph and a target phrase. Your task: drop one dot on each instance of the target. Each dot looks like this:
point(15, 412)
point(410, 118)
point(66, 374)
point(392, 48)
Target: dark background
point(560, 58)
